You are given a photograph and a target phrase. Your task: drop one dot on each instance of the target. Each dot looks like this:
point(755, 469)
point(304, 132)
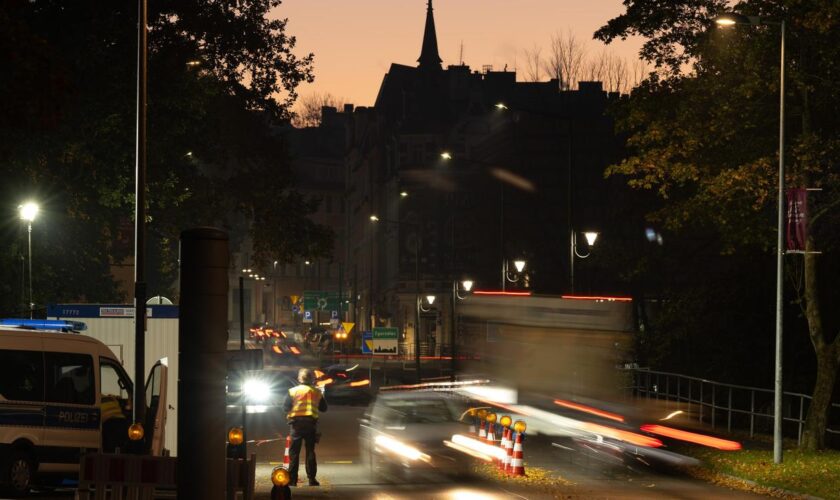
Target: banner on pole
point(797, 219)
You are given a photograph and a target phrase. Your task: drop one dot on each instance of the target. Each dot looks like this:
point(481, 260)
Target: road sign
point(334, 315)
point(334, 323)
point(348, 327)
point(294, 298)
point(307, 316)
point(367, 342)
point(319, 300)
point(385, 341)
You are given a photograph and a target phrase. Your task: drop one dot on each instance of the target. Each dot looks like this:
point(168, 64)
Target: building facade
point(454, 172)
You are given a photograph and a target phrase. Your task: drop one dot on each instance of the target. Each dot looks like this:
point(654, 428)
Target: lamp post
point(518, 264)
point(375, 220)
point(430, 299)
point(732, 19)
point(467, 285)
point(591, 237)
point(28, 211)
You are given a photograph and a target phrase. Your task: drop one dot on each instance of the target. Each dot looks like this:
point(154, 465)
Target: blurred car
point(404, 434)
point(343, 384)
point(260, 391)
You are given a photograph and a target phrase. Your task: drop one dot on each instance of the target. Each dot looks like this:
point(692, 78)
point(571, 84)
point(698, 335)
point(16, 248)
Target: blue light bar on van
point(45, 324)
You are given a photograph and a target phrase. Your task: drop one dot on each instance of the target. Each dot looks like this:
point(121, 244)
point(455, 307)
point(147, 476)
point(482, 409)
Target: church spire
point(429, 57)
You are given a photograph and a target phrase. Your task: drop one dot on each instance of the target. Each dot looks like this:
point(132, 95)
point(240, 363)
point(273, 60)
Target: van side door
point(72, 420)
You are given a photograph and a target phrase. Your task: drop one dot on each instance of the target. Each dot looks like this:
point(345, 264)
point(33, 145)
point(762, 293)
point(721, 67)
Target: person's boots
point(313, 482)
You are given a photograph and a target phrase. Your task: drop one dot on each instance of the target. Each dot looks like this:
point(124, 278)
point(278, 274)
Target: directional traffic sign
point(348, 327)
point(320, 300)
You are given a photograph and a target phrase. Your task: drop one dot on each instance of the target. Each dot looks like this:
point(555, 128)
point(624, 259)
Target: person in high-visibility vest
point(302, 406)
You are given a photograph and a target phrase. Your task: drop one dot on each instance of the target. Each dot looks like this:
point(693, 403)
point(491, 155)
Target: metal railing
point(741, 406)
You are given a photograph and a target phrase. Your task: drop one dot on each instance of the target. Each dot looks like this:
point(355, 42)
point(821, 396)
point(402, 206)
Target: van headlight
point(256, 390)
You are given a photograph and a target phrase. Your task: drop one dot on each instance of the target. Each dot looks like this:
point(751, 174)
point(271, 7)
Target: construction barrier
point(108, 476)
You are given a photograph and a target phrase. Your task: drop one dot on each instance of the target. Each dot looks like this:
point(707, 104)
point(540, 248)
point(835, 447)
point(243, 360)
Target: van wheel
point(20, 473)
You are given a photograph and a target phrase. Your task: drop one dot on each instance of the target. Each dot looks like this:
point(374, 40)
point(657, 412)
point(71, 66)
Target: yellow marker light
point(135, 432)
point(505, 421)
point(482, 413)
point(491, 417)
point(519, 426)
point(280, 477)
point(236, 436)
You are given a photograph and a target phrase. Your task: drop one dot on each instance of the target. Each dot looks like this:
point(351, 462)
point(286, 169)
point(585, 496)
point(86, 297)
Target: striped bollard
point(517, 465)
point(286, 454)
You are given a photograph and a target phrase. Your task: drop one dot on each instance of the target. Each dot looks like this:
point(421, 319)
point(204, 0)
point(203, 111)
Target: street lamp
point(28, 211)
point(446, 155)
point(591, 237)
point(732, 19)
point(467, 285)
point(518, 264)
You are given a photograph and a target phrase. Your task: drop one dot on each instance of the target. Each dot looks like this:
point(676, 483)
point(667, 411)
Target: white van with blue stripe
point(56, 388)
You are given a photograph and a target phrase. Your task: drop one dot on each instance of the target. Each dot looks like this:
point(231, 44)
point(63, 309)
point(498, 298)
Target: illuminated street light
point(403, 194)
point(374, 218)
point(28, 211)
point(727, 20)
point(446, 155)
point(430, 299)
point(591, 237)
point(467, 284)
point(501, 105)
point(518, 264)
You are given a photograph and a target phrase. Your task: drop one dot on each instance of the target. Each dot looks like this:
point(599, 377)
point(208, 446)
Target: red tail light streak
point(692, 437)
point(589, 409)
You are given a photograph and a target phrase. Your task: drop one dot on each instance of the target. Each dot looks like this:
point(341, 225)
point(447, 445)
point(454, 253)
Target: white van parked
point(63, 394)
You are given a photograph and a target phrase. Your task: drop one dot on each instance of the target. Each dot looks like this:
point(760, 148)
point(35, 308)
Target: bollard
point(504, 461)
point(517, 466)
point(202, 337)
point(286, 454)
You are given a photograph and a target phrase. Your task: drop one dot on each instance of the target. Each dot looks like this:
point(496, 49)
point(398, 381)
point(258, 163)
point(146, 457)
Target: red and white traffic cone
point(504, 461)
point(491, 434)
point(472, 427)
point(286, 455)
point(509, 453)
point(517, 466)
point(482, 434)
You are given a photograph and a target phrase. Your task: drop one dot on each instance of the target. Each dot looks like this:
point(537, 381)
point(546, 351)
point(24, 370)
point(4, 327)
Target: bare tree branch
point(308, 110)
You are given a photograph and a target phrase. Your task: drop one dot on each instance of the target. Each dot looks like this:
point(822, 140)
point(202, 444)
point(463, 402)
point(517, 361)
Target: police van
point(63, 394)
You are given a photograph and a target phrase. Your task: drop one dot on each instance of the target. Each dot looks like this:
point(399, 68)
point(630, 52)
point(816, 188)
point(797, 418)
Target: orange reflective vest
point(305, 400)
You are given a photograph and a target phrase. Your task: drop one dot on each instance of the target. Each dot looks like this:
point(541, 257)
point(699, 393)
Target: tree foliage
point(703, 135)
point(222, 76)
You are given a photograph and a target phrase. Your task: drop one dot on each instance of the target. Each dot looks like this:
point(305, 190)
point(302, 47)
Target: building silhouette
point(524, 168)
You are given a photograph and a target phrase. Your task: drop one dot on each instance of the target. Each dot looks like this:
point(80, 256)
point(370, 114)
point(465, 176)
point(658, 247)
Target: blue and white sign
point(334, 315)
point(367, 342)
point(307, 316)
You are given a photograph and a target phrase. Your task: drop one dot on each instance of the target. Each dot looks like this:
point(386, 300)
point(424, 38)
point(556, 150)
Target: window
point(22, 375)
point(112, 380)
point(69, 378)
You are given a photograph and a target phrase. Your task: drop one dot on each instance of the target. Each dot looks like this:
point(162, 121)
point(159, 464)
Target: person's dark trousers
point(304, 430)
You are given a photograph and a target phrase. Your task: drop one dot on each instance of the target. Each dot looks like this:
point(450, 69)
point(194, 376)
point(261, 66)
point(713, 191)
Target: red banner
point(797, 219)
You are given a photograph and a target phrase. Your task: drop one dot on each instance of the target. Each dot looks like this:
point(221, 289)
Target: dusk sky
point(355, 41)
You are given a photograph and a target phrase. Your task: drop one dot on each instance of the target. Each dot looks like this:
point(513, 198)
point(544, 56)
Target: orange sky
point(355, 41)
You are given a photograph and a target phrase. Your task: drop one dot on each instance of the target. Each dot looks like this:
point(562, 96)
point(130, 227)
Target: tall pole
point(453, 364)
point(569, 212)
point(29, 242)
point(417, 300)
point(780, 252)
point(140, 219)
point(502, 237)
point(244, 408)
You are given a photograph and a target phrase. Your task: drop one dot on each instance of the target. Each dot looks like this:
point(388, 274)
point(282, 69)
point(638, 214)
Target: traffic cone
point(503, 462)
point(472, 427)
point(509, 453)
point(482, 434)
point(286, 455)
point(517, 466)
